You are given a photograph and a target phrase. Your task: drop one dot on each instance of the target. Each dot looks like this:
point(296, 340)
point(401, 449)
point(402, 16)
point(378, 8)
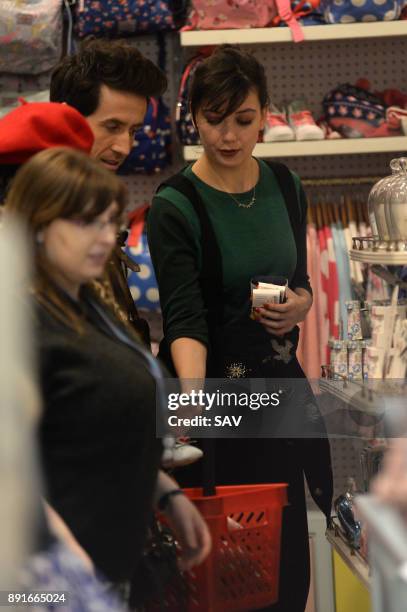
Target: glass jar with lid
point(396, 205)
point(387, 203)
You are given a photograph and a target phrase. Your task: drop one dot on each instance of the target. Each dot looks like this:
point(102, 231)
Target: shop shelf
point(345, 146)
point(384, 258)
point(358, 395)
point(368, 396)
point(260, 36)
point(351, 557)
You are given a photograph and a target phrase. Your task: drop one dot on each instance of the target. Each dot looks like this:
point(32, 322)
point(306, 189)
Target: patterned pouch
point(30, 35)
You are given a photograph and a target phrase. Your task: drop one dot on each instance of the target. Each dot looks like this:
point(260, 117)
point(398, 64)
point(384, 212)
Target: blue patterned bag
point(152, 143)
point(125, 17)
point(349, 11)
point(143, 284)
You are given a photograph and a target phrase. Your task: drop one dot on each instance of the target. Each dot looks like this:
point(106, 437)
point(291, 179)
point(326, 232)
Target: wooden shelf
point(306, 148)
point(258, 36)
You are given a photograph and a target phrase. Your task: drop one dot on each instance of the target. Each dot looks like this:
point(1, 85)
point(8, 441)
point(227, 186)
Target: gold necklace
point(249, 204)
point(236, 201)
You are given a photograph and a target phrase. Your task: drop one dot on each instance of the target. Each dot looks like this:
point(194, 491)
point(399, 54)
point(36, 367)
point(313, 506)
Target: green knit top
point(253, 241)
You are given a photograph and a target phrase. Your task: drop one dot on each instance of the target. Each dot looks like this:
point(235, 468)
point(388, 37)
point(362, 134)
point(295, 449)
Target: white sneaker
point(277, 128)
point(303, 123)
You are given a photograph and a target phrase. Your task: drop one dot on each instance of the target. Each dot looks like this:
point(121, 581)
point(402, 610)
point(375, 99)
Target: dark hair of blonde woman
point(60, 183)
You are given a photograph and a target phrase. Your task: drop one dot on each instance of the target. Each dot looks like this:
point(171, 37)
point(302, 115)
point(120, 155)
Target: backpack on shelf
point(346, 11)
point(116, 18)
point(353, 111)
point(242, 14)
point(151, 151)
point(187, 134)
point(30, 35)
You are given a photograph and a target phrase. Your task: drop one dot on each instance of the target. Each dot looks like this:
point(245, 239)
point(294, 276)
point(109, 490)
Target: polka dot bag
point(143, 284)
point(350, 11)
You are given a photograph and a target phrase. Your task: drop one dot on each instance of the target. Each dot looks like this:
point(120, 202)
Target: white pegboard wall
point(331, 166)
point(345, 454)
point(142, 187)
point(309, 70)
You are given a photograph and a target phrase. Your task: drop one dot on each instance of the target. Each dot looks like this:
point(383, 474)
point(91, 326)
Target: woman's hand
point(186, 521)
point(278, 319)
point(190, 530)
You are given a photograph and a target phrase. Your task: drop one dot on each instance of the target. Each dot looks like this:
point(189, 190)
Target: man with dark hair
point(109, 82)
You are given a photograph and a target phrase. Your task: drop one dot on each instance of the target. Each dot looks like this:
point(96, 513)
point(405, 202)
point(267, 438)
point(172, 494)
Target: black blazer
point(97, 436)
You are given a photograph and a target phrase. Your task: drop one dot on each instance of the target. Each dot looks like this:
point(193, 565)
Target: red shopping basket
point(242, 571)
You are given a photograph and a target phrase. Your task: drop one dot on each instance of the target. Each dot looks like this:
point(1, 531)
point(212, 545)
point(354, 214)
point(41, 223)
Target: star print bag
point(151, 151)
point(118, 18)
point(349, 11)
point(353, 110)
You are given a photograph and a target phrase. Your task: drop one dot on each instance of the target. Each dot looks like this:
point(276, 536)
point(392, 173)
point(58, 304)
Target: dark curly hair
point(224, 79)
point(76, 80)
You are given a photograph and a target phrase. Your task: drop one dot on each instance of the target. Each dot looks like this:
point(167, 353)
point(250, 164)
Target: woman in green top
point(256, 215)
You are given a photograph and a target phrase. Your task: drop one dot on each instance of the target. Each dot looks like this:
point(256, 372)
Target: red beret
point(36, 126)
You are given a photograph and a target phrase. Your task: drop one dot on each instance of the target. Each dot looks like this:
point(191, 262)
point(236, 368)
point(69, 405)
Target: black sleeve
point(300, 278)
point(175, 255)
